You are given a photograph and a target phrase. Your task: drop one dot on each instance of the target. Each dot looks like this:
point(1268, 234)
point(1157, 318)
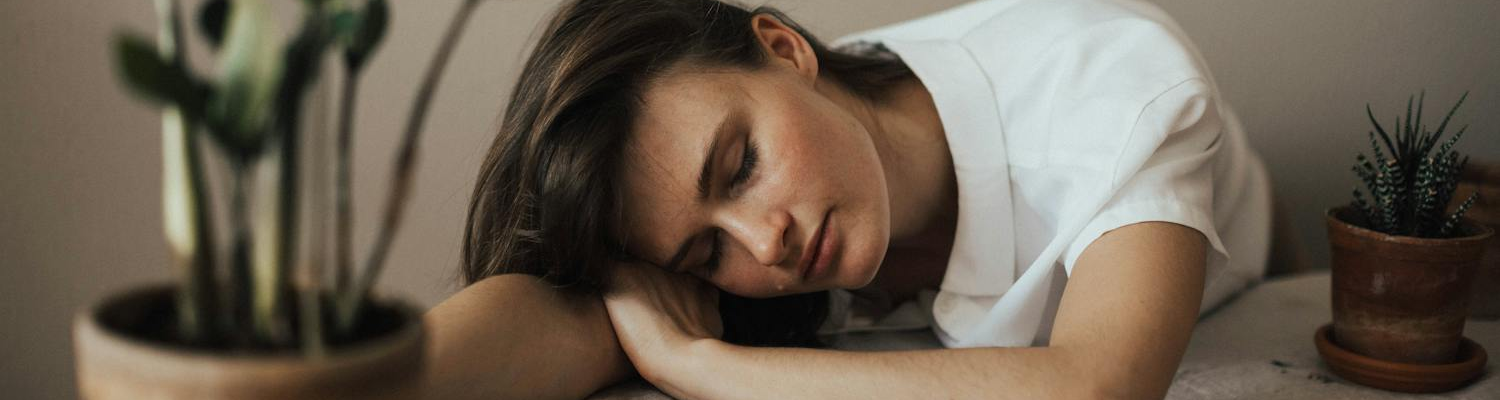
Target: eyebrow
point(705, 173)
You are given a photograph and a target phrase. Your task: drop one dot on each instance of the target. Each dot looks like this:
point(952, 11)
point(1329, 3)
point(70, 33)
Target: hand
point(657, 315)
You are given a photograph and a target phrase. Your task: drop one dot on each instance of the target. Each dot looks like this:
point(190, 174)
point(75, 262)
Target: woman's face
point(755, 181)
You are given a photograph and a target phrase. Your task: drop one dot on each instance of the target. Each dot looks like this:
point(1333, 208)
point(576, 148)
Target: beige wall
point(79, 161)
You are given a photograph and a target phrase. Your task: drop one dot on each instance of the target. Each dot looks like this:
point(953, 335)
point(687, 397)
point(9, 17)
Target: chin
point(859, 272)
point(864, 278)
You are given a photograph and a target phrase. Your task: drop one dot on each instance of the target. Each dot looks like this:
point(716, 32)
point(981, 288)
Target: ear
point(784, 46)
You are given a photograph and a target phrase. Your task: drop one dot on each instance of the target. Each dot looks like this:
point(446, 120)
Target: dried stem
point(352, 300)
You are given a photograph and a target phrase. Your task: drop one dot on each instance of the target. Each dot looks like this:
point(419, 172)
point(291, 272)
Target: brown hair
point(546, 201)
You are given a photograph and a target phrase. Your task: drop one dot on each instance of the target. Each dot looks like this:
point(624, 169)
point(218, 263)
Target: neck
point(920, 182)
point(914, 155)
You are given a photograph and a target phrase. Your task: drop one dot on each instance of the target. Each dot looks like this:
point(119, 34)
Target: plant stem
point(345, 224)
point(181, 225)
point(183, 200)
point(309, 272)
point(351, 301)
point(302, 63)
point(239, 271)
point(268, 271)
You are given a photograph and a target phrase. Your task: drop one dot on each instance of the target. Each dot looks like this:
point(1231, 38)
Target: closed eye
point(748, 160)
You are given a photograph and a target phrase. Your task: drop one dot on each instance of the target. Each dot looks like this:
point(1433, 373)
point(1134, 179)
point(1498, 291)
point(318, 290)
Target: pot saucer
point(1402, 377)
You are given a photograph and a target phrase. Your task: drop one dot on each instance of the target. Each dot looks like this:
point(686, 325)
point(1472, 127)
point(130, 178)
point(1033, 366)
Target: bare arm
point(515, 337)
point(1122, 327)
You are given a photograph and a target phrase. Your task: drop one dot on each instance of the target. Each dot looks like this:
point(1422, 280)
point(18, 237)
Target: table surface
point(1259, 345)
point(1235, 351)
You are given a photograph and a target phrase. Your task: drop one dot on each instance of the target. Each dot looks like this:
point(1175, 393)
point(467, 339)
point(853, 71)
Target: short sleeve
point(1164, 171)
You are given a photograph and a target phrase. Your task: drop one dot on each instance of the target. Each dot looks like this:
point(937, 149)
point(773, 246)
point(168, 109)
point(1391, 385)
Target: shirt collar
point(983, 260)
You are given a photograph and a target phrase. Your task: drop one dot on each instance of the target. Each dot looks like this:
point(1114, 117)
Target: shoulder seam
point(1135, 124)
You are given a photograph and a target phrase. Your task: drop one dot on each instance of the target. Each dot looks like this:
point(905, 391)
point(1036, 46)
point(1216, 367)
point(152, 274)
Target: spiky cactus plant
point(250, 111)
point(1409, 185)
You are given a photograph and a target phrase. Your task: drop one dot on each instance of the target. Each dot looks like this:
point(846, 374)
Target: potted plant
point(256, 319)
point(1403, 267)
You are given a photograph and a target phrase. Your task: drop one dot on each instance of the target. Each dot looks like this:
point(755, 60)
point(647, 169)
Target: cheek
point(813, 147)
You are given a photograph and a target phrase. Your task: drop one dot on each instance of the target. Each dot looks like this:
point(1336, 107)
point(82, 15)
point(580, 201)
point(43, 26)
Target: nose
point(762, 232)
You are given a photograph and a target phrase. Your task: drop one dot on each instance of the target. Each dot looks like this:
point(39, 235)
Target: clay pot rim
point(1331, 216)
point(86, 323)
point(1399, 376)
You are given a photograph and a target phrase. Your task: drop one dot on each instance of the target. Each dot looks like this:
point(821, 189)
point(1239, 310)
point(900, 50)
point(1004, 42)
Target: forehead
point(675, 107)
point(667, 145)
point(678, 116)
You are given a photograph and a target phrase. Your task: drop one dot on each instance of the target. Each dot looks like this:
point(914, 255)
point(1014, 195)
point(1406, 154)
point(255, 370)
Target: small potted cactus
point(258, 319)
point(1403, 267)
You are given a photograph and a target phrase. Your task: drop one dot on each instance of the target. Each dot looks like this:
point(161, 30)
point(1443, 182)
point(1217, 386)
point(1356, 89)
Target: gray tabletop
point(1261, 346)
point(1257, 346)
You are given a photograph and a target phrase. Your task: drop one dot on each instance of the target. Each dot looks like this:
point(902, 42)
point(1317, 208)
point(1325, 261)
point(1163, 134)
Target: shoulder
point(1017, 22)
point(1123, 53)
point(1015, 38)
point(1063, 77)
point(1121, 47)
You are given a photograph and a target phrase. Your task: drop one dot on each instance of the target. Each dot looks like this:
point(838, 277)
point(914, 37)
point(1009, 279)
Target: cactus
point(1408, 190)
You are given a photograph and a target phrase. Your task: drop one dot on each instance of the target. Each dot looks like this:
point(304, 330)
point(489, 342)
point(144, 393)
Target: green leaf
point(245, 102)
point(211, 20)
point(372, 24)
point(1407, 134)
point(345, 25)
point(1383, 136)
point(1444, 124)
point(148, 75)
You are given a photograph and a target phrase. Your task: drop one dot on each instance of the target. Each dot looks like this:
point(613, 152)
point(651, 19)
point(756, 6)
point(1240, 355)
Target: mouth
point(816, 252)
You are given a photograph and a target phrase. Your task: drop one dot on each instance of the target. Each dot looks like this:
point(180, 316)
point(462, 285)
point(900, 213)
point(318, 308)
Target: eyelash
point(747, 166)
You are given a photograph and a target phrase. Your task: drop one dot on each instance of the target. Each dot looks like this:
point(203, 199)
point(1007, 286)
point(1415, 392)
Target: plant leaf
point(1383, 136)
point(345, 25)
point(211, 20)
point(1444, 125)
point(1407, 135)
point(251, 64)
point(372, 24)
point(148, 75)
point(1417, 124)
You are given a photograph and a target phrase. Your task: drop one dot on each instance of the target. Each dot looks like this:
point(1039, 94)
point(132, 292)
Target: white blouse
point(1067, 119)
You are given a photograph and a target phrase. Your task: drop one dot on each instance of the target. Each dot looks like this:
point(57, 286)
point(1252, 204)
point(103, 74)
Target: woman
point(1055, 182)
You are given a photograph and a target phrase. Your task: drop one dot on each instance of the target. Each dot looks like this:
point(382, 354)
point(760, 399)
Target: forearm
point(1121, 329)
point(514, 337)
point(717, 370)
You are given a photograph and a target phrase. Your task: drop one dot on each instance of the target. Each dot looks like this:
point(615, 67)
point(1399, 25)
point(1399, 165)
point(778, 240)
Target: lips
point(814, 252)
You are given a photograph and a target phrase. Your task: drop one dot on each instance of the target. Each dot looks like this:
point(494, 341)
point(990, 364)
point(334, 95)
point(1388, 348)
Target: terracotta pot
point(113, 364)
point(1410, 378)
point(1400, 298)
